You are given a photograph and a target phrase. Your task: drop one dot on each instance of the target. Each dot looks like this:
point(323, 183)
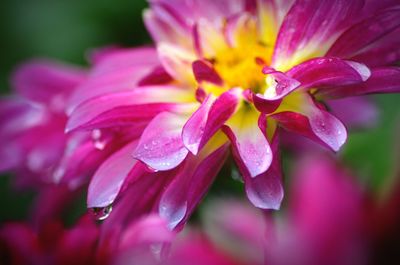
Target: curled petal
point(249, 142)
point(205, 122)
point(161, 146)
point(323, 72)
point(318, 125)
point(382, 80)
point(109, 178)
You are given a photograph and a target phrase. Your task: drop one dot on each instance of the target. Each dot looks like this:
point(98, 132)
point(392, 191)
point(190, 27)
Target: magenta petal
point(161, 146)
point(282, 86)
point(189, 186)
point(355, 112)
point(88, 111)
point(323, 72)
point(115, 71)
point(148, 230)
point(204, 71)
point(318, 125)
point(382, 80)
point(266, 190)
point(312, 22)
point(108, 179)
point(206, 121)
point(157, 76)
point(42, 81)
point(251, 146)
point(128, 115)
point(193, 131)
point(366, 34)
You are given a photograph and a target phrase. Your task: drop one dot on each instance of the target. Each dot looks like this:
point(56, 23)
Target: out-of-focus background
point(67, 29)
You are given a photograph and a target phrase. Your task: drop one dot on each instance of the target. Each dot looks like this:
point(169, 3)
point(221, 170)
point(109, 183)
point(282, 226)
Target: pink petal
point(309, 27)
point(317, 125)
point(177, 61)
point(381, 53)
point(157, 76)
point(323, 72)
point(382, 80)
point(163, 27)
point(130, 115)
point(249, 143)
point(266, 190)
point(115, 71)
point(161, 146)
point(87, 112)
point(148, 230)
point(204, 72)
point(110, 176)
point(211, 115)
point(366, 34)
point(281, 87)
point(42, 81)
point(190, 185)
point(355, 112)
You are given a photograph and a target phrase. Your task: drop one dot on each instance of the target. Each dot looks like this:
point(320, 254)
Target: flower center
point(242, 68)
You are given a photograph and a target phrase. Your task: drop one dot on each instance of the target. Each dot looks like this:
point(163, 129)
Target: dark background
point(67, 29)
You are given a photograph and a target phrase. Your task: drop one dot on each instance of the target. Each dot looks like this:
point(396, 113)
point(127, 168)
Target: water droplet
point(99, 145)
point(96, 134)
point(101, 213)
point(154, 142)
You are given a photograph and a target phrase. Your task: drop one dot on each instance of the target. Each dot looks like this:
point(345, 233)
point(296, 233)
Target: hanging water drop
point(101, 213)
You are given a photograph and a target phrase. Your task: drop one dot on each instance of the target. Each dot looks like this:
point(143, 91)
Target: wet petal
point(316, 124)
point(266, 190)
point(382, 80)
point(249, 142)
point(366, 34)
point(87, 112)
point(110, 176)
point(205, 122)
point(323, 72)
point(309, 28)
point(161, 146)
point(191, 183)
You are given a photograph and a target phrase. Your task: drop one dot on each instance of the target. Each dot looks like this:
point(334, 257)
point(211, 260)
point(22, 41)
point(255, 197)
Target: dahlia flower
point(230, 73)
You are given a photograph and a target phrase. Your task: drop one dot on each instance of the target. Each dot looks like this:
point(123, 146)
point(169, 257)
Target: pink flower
point(33, 121)
point(231, 73)
point(329, 219)
point(82, 243)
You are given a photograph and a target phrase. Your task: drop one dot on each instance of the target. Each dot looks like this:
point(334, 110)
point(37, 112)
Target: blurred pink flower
point(329, 219)
point(231, 73)
point(81, 244)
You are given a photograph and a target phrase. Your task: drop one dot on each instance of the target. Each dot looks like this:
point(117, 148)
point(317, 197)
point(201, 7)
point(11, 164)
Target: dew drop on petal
point(101, 213)
point(173, 215)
